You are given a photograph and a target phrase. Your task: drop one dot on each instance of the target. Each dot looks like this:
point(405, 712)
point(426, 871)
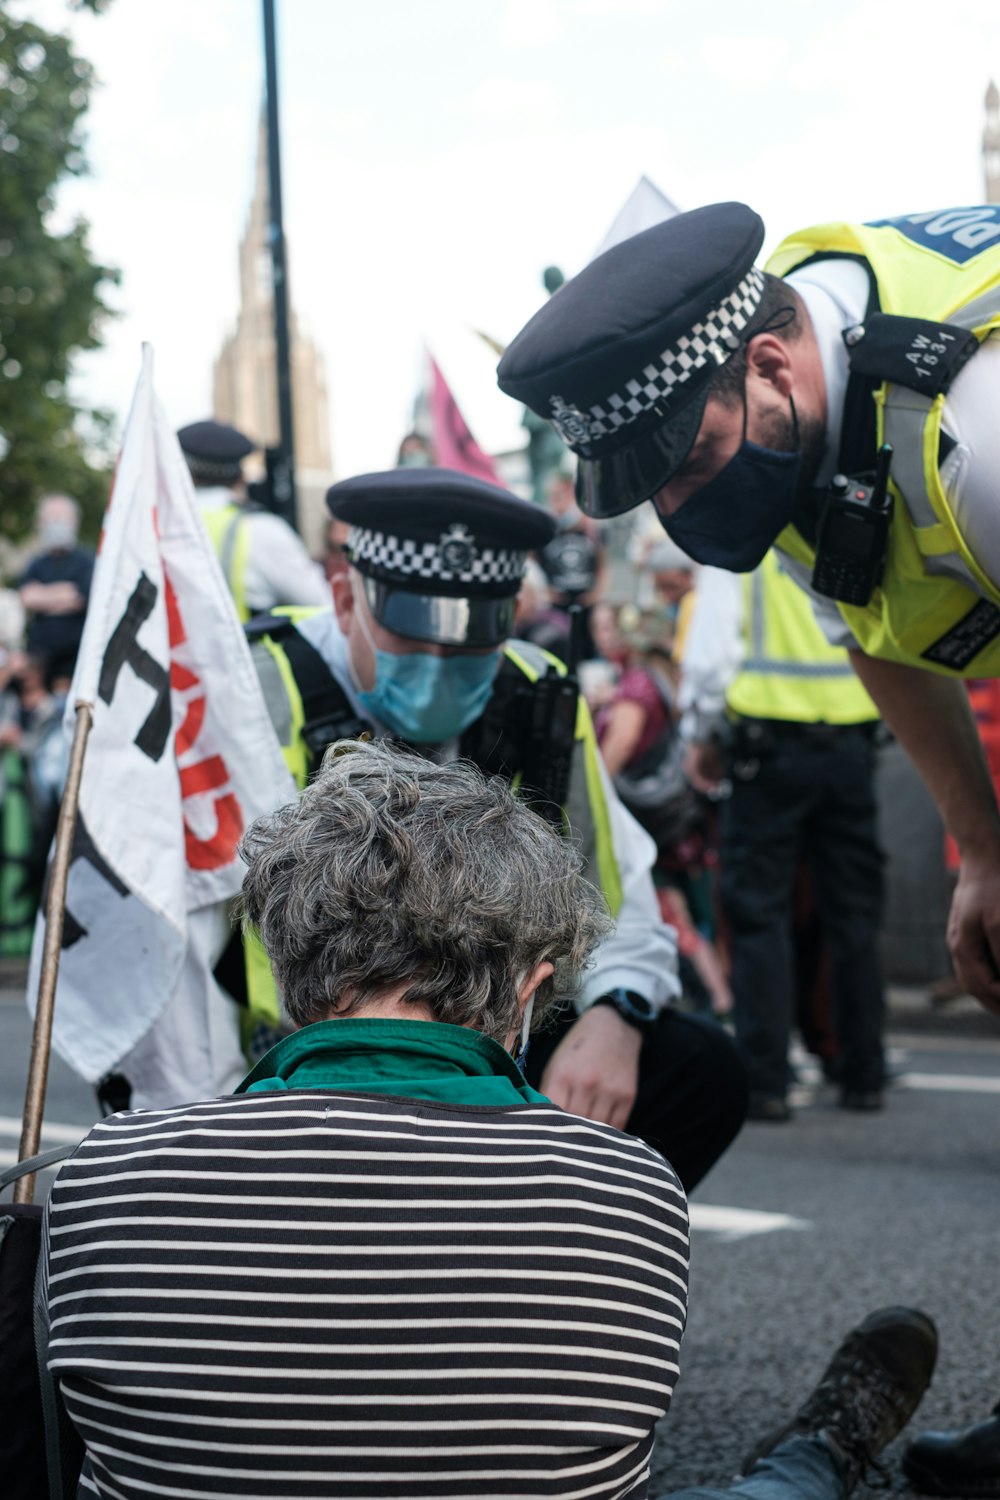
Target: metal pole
point(55, 911)
point(283, 466)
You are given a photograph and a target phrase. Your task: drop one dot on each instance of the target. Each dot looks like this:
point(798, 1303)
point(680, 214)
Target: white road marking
point(54, 1135)
point(740, 1223)
point(963, 1083)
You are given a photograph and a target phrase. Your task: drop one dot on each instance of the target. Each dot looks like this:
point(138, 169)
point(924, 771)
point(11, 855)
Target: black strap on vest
point(529, 728)
point(326, 708)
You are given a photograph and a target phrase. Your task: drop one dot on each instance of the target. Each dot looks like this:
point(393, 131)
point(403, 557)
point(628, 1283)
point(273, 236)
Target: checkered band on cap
point(715, 339)
point(453, 558)
point(224, 471)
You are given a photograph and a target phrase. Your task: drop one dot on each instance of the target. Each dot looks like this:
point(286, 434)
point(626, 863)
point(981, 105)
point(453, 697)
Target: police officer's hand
point(594, 1071)
point(703, 767)
point(974, 928)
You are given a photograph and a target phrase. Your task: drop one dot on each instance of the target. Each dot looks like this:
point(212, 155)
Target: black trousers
point(811, 795)
point(692, 1098)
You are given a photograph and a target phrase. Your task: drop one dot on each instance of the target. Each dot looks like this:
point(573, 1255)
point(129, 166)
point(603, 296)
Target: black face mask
point(734, 519)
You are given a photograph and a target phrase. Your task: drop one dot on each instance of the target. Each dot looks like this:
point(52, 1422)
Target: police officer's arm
point(931, 718)
point(280, 567)
point(595, 1069)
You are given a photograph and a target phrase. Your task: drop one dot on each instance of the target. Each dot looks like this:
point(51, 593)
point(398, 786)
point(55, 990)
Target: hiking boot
point(965, 1461)
point(868, 1392)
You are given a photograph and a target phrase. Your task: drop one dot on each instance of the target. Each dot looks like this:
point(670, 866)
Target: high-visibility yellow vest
point(935, 609)
point(586, 814)
point(231, 541)
point(790, 671)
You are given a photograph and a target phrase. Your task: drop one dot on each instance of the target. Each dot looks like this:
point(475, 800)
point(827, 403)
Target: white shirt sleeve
point(713, 650)
point(641, 953)
point(279, 569)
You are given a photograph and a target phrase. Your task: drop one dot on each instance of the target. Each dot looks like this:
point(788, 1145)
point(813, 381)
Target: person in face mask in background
point(416, 649)
point(55, 587)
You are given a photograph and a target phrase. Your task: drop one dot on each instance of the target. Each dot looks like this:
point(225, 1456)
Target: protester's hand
point(974, 928)
point(594, 1071)
point(703, 767)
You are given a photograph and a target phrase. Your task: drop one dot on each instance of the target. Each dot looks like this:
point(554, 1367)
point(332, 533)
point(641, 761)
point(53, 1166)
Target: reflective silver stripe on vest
point(227, 551)
point(774, 666)
point(905, 418)
point(273, 688)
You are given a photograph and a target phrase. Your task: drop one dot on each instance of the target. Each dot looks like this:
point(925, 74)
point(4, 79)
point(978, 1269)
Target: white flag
point(644, 207)
point(181, 756)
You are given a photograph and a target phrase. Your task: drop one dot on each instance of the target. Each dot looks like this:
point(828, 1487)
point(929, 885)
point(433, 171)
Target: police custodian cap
point(214, 451)
point(619, 360)
point(441, 554)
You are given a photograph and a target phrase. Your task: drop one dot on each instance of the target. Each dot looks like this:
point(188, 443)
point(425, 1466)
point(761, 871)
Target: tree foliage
point(51, 288)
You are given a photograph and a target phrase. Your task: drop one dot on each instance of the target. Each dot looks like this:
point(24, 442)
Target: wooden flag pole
point(55, 911)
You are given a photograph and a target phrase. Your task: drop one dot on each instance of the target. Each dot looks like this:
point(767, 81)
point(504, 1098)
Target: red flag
point(454, 445)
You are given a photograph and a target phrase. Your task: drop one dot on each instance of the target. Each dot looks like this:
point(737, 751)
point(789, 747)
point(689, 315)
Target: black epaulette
point(528, 730)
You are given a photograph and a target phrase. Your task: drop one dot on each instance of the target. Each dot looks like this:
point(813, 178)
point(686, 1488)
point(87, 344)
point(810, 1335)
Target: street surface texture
point(799, 1232)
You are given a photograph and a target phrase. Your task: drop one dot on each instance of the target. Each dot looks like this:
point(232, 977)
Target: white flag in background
point(644, 207)
point(181, 756)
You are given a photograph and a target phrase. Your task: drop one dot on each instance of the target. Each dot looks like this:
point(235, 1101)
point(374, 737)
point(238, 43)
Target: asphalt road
point(798, 1233)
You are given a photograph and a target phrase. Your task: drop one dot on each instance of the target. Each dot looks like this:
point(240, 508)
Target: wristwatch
point(632, 1007)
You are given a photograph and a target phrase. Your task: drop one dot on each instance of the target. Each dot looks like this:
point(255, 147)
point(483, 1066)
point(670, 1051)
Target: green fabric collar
point(408, 1059)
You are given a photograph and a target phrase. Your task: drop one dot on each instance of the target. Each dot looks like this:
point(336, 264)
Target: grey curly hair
point(391, 870)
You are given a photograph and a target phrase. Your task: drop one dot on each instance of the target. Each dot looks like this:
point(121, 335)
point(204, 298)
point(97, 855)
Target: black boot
point(965, 1461)
point(868, 1392)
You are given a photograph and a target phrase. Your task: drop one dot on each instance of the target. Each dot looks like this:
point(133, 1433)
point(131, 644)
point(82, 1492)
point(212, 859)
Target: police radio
point(853, 535)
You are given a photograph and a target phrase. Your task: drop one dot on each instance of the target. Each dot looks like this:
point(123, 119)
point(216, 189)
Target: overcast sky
point(437, 155)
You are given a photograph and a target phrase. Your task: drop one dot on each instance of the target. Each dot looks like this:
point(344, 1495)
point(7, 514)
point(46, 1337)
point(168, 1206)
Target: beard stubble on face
point(804, 433)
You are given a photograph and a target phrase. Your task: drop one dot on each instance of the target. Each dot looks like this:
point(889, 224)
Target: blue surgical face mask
point(423, 698)
point(734, 520)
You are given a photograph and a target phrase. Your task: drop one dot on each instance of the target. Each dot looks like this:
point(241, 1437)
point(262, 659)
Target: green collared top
point(406, 1059)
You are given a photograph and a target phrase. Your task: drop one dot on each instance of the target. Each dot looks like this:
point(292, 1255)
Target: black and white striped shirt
point(310, 1295)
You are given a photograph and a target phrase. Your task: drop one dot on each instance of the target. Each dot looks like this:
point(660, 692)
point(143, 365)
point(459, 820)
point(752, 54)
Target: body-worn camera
point(853, 535)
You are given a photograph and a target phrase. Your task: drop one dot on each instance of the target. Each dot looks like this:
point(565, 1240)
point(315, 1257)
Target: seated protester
point(387, 1266)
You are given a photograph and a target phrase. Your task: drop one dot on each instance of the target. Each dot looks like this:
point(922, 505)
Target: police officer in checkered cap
point(623, 358)
point(418, 647)
point(264, 561)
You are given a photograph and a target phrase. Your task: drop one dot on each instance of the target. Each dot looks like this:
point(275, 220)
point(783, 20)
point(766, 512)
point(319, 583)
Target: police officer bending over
point(841, 405)
point(416, 647)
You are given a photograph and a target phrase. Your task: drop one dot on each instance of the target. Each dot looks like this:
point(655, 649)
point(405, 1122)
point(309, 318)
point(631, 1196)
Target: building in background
point(244, 385)
point(991, 145)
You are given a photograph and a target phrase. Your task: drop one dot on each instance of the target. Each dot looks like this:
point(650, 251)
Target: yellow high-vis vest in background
point(231, 543)
point(790, 671)
point(936, 609)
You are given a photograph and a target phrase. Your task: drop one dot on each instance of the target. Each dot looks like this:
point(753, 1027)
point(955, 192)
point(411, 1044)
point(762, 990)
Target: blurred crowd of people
point(41, 624)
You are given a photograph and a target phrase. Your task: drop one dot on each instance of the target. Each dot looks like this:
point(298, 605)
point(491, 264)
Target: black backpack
point(41, 1453)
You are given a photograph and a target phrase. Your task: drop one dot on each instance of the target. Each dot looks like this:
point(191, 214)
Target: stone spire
point(991, 145)
point(244, 383)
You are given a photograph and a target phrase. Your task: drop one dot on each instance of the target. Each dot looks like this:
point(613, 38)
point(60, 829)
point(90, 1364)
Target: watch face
point(632, 1007)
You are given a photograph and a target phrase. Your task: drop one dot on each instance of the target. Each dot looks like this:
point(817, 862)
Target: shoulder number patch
point(964, 641)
